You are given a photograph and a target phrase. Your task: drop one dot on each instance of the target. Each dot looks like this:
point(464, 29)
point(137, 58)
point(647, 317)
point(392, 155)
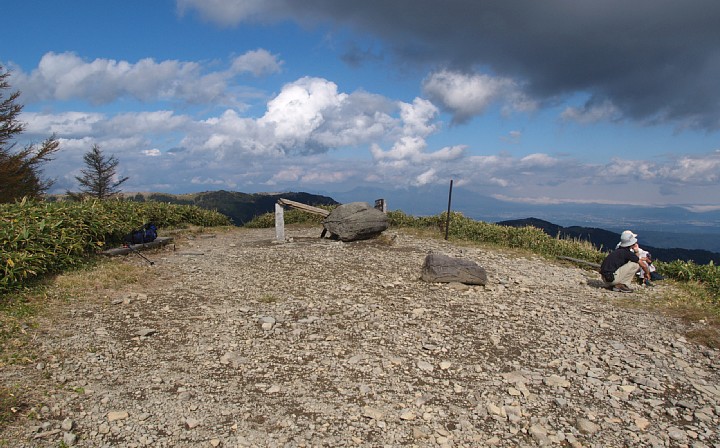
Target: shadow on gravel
point(596, 284)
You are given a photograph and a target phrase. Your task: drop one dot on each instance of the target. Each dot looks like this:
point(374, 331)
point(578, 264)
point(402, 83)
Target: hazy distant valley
point(664, 227)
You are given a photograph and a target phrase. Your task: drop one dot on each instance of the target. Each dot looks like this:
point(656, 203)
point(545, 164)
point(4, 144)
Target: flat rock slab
point(356, 221)
point(439, 268)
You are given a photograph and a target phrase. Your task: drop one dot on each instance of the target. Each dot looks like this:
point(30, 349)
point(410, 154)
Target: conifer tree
point(97, 179)
point(20, 171)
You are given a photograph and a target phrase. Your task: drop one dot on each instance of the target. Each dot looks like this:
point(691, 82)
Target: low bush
point(528, 238)
point(40, 238)
point(708, 275)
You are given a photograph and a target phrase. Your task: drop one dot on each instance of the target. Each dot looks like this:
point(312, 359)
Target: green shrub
point(706, 274)
point(40, 238)
point(528, 238)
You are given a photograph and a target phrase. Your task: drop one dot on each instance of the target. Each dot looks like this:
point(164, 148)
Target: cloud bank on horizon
point(526, 101)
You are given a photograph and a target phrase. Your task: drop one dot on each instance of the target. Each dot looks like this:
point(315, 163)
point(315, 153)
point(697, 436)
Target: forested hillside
point(239, 207)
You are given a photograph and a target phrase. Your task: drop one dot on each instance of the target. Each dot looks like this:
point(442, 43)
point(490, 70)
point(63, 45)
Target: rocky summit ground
point(238, 341)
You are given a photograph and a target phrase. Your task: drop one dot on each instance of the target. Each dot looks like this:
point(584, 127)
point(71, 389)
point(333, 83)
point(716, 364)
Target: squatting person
point(619, 267)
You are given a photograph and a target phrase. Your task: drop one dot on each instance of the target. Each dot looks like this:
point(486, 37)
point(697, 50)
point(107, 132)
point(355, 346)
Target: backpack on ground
point(145, 234)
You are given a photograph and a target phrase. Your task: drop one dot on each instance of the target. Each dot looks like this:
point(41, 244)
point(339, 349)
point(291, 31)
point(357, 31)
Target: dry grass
point(18, 314)
point(9, 404)
point(107, 275)
point(709, 337)
point(689, 301)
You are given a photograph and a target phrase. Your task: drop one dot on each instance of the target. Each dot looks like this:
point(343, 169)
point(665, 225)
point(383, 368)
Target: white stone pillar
point(279, 223)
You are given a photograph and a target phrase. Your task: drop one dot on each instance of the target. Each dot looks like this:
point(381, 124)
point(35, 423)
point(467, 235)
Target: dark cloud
point(656, 60)
point(355, 56)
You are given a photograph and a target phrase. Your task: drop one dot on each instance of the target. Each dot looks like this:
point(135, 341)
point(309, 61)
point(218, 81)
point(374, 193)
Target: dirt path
point(239, 341)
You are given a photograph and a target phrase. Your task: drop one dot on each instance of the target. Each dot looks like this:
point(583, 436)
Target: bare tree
point(97, 179)
point(20, 171)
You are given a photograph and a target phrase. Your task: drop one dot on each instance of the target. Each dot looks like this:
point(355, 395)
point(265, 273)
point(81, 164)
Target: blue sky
point(525, 101)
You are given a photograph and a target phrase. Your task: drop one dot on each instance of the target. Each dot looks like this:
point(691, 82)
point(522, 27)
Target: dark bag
point(609, 277)
point(655, 276)
point(145, 234)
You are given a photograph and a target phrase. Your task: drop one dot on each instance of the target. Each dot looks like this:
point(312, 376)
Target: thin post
point(447, 224)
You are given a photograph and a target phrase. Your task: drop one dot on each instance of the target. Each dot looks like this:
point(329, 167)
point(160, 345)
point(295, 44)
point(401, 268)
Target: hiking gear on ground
point(145, 234)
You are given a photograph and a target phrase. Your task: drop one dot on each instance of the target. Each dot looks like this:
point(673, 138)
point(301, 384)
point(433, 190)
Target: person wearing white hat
point(645, 271)
point(619, 267)
point(626, 236)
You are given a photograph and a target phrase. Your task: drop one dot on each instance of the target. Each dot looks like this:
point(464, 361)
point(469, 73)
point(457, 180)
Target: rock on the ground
point(440, 268)
point(356, 221)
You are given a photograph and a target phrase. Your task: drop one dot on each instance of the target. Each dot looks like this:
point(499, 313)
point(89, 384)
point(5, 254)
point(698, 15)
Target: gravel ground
point(241, 342)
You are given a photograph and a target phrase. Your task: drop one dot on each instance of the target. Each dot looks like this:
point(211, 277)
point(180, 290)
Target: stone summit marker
point(348, 222)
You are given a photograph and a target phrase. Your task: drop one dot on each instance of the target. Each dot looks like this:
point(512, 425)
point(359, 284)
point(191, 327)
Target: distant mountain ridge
point(606, 240)
point(239, 207)
point(243, 207)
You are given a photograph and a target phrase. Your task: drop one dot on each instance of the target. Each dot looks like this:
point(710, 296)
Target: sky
point(552, 102)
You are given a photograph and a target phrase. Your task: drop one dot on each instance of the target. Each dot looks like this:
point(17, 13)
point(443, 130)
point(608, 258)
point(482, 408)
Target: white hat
point(627, 239)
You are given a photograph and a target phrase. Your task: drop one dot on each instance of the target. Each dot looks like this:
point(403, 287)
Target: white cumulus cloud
point(301, 108)
point(66, 124)
point(412, 150)
point(426, 178)
point(152, 152)
point(419, 117)
point(694, 170)
point(538, 160)
point(66, 76)
point(258, 62)
point(469, 94)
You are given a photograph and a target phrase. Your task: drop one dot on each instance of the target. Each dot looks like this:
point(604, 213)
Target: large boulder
point(356, 221)
point(439, 268)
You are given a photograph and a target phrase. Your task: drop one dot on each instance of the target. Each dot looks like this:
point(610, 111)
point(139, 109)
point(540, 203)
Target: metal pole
point(152, 263)
point(447, 224)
